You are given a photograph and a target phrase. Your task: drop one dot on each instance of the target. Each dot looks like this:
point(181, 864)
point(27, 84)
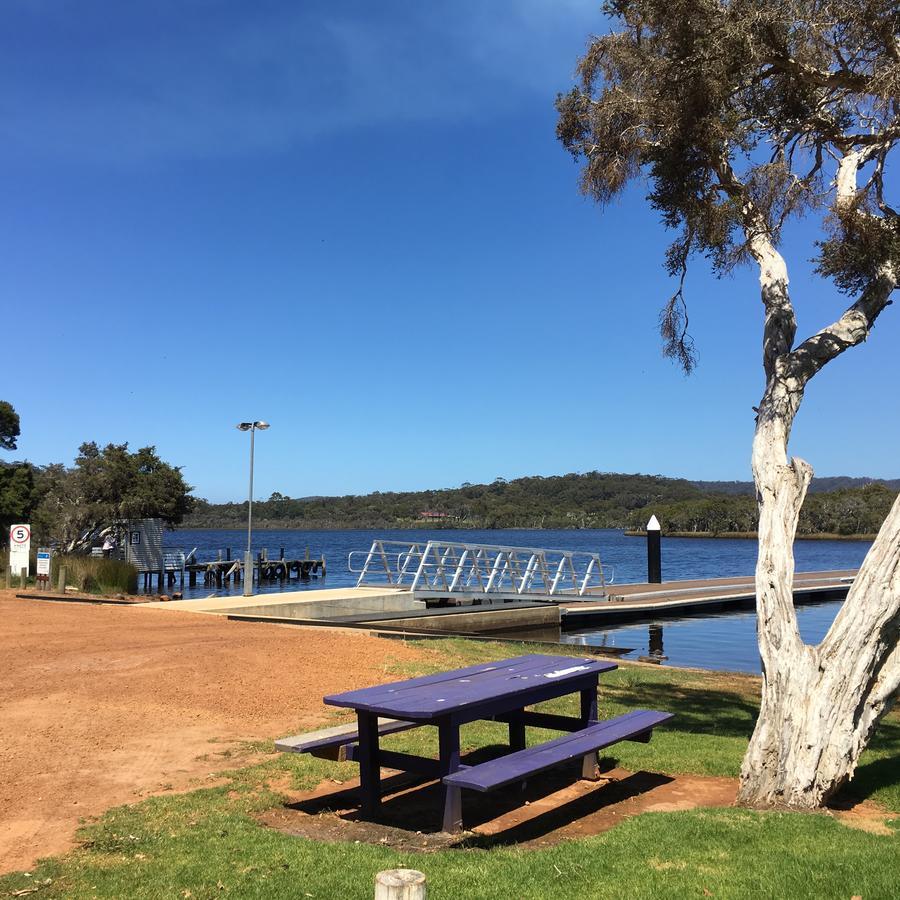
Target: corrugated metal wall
point(144, 548)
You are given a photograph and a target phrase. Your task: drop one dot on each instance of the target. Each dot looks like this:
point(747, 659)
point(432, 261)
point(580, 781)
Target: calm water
point(725, 641)
point(716, 641)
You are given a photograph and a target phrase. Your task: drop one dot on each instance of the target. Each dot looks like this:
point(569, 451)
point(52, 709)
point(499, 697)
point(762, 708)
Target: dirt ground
point(557, 806)
point(102, 705)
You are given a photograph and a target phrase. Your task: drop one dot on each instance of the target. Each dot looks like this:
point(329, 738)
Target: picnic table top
point(437, 695)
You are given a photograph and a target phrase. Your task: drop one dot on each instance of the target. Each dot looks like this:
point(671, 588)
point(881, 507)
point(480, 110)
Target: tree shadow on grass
point(879, 775)
point(697, 710)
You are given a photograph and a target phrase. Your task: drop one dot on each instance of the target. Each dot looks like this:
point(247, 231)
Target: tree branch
point(852, 328)
point(781, 324)
point(844, 78)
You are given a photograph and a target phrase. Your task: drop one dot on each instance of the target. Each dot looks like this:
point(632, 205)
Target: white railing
point(444, 568)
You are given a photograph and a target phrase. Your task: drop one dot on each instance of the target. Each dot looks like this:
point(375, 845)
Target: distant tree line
point(590, 500)
point(850, 511)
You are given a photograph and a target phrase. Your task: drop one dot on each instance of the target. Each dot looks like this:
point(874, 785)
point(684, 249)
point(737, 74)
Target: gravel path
point(103, 705)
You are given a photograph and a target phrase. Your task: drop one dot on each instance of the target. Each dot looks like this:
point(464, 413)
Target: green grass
point(207, 844)
point(89, 574)
point(98, 575)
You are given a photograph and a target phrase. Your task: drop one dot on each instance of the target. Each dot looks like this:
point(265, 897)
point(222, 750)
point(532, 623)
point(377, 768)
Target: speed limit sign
point(20, 548)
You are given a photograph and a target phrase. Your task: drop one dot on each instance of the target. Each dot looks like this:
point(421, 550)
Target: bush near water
point(97, 575)
point(88, 574)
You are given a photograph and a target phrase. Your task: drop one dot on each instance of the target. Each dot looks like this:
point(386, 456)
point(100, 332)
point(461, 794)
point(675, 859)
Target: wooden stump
point(400, 884)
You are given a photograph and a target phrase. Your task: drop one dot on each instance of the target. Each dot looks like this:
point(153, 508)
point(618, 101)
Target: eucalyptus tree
point(106, 486)
point(741, 114)
point(9, 425)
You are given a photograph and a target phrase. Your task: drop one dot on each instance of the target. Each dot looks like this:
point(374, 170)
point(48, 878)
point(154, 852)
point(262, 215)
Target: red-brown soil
point(101, 705)
point(557, 806)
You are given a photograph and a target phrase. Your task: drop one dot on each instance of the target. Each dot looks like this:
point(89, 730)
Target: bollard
point(400, 884)
point(654, 553)
point(62, 580)
point(248, 574)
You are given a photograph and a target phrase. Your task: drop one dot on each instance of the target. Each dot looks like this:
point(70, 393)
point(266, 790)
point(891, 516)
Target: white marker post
point(654, 552)
point(20, 549)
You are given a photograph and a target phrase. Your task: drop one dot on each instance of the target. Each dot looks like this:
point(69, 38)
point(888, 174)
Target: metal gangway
point(481, 572)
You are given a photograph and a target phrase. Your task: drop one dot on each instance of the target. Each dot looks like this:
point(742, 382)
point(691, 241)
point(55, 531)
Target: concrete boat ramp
point(397, 609)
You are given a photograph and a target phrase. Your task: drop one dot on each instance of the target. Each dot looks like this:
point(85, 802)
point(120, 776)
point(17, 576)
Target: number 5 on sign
point(20, 548)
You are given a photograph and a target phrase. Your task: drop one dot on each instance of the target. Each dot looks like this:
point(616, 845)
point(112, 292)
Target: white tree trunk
point(819, 704)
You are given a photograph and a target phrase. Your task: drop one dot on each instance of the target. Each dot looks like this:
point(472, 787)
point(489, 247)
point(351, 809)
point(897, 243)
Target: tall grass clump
point(99, 575)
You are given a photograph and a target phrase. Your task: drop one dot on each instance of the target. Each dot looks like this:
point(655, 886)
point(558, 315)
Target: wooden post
point(400, 884)
point(61, 586)
point(228, 553)
point(654, 552)
point(23, 578)
point(282, 553)
point(8, 577)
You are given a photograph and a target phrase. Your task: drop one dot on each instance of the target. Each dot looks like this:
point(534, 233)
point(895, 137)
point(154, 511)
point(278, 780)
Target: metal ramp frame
point(481, 571)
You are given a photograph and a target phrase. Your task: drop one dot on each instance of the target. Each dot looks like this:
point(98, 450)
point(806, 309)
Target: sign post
point(20, 548)
point(43, 566)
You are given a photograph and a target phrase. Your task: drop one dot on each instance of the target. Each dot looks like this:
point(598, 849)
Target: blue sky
point(352, 219)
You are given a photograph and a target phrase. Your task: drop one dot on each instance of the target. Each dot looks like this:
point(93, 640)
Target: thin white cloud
point(212, 84)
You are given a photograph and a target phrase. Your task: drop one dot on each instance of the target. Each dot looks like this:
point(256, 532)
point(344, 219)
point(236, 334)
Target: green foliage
point(9, 426)
point(17, 495)
point(98, 575)
point(593, 500)
point(105, 486)
point(738, 114)
point(850, 511)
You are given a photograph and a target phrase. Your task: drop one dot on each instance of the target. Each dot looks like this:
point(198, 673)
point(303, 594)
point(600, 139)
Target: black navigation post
point(654, 552)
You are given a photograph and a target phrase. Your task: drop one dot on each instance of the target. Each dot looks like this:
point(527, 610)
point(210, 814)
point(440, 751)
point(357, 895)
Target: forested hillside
point(818, 486)
point(591, 500)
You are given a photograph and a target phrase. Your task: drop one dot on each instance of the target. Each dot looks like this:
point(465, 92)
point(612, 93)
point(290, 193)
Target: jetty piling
point(224, 569)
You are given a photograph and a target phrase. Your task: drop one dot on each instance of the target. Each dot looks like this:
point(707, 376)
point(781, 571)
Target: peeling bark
point(819, 704)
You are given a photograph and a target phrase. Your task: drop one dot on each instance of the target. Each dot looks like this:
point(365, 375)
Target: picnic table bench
point(498, 691)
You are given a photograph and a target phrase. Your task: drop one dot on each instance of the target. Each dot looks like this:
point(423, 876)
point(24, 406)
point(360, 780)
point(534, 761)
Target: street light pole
point(250, 494)
point(252, 427)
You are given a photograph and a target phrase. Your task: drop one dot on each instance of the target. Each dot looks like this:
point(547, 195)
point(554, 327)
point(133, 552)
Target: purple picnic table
point(500, 691)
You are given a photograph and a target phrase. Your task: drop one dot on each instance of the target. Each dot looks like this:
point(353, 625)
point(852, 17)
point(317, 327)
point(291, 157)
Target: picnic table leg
point(590, 766)
point(516, 733)
point(448, 742)
point(369, 768)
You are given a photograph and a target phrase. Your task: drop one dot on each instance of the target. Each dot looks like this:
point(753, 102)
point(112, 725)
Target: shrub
point(98, 575)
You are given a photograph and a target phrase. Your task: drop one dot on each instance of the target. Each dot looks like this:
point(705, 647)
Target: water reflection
point(725, 640)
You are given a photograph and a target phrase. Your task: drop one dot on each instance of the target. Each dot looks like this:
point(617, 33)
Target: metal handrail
point(450, 567)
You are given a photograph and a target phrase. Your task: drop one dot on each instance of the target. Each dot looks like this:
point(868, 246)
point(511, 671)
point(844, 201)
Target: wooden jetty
point(217, 573)
point(640, 601)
